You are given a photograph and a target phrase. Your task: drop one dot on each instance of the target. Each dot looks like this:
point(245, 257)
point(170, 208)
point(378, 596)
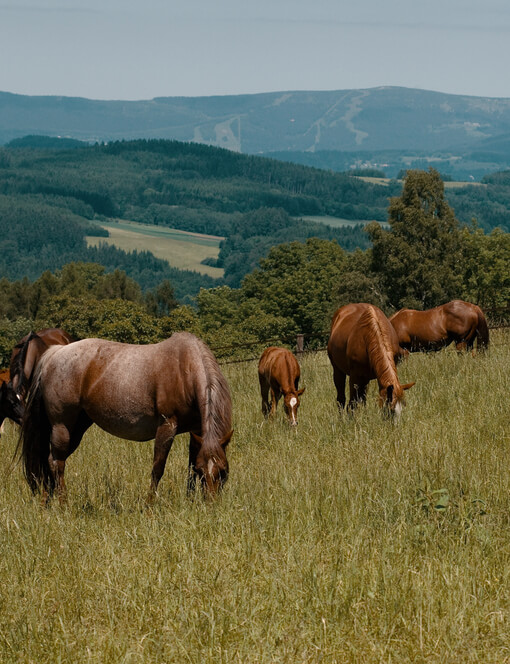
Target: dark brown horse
point(26, 354)
point(364, 346)
point(133, 392)
point(10, 405)
point(457, 321)
point(279, 372)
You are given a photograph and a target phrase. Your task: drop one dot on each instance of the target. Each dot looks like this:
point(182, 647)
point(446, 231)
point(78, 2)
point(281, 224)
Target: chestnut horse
point(457, 321)
point(279, 372)
point(364, 346)
point(133, 392)
point(26, 354)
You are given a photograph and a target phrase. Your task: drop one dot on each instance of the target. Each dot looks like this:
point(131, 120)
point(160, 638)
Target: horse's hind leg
point(264, 393)
point(64, 441)
point(165, 435)
point(339, 380)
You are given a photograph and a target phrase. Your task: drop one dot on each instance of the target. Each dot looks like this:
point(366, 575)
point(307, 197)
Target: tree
point(297, 282)
point(486, 268)
point(419, 261)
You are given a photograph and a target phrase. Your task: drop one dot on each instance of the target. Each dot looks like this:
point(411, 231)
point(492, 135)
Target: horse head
point(392, 398)
point(291, 405)
point(10, 404)
point(211, 465)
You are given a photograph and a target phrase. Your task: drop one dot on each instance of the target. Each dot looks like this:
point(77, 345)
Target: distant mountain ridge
point(376, 119)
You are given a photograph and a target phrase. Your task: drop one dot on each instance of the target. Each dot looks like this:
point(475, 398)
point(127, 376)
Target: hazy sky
point(140, 49)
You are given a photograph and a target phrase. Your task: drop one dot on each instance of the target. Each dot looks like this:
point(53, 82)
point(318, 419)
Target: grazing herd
point(57, 387)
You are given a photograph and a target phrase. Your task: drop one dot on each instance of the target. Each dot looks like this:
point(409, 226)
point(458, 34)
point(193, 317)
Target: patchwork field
point(181, 249)
point(349, 539)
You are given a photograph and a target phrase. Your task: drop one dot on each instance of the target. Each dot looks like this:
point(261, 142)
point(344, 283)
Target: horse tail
point(482, 331)
point(34, 441)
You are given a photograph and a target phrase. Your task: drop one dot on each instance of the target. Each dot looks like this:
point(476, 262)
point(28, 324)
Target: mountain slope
point(348, 120)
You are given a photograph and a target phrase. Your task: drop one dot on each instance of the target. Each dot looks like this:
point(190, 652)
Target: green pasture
point(181, 249)
point(348, 539)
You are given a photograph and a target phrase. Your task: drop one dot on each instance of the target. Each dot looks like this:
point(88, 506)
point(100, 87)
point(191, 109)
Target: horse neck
point(379, 351)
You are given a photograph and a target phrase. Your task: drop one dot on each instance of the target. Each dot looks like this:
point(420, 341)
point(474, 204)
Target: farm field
point(454, 184)
point(348, 539)
point(181, 249)
point(337, 222)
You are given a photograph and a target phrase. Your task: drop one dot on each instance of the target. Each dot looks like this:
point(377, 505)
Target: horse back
point(279, 367)
point(126, 388)
point(351, 339)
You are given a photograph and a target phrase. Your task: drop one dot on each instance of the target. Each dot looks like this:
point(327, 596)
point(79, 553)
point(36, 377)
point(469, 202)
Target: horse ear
point(408, 386)
point(226, 439)
point(196, 440)
point(300, 392)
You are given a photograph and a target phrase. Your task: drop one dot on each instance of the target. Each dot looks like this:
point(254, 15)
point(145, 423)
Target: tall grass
point(349, 539)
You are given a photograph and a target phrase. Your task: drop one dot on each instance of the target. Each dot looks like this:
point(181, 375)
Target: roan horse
point(279, 372)
point(26, 354)
point(364, 346)
point(133, 392)
point(433, 329)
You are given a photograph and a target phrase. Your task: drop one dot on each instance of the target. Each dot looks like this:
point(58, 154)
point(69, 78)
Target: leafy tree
point(297, 282)
point(419, 261)
point(486, 279)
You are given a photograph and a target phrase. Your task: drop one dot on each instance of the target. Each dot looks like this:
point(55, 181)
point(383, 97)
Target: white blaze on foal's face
point(291, 408)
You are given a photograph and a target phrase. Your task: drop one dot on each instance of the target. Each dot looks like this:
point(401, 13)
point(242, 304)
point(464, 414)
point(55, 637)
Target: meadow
point(348, 539)
point(181, 249)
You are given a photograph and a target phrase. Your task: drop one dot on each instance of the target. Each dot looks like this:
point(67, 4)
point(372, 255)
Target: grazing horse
point(457, 321)
point(364, 346)
point(136, 392)
point(279, 372)
point(10, 405)
point(26, 354)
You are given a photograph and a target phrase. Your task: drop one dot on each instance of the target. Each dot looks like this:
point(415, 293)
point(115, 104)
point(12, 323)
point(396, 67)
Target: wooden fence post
point(300, 344)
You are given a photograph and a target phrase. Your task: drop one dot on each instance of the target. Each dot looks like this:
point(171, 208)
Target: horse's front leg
point(358, 392)
point(165, 435)
point(275, 398)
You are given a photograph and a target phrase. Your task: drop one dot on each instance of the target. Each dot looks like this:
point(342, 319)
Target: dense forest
point(423, 258)
point(254, 202)
point(54, 191)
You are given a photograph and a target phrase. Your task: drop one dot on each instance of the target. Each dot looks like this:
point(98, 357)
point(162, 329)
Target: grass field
point(349, 539)
point(181, 249)
point(337, 222)
point(448, 185)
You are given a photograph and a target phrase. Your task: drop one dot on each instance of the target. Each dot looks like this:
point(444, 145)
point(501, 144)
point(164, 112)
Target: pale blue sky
point(140, 49)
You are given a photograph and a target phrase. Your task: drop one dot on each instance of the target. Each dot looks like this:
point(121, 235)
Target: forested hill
point(386, 126)
point(50, 199)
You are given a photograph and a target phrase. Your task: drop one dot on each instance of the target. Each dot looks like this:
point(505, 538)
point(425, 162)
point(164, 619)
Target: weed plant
point(347, 539)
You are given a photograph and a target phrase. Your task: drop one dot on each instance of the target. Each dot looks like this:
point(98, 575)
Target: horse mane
point(379, 346)
point(213, 400)
point(17, 367)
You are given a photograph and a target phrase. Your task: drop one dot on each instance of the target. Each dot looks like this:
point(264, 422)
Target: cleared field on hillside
point(448, 185)
point(348, 539)
point(336, 222)
point(181, 249)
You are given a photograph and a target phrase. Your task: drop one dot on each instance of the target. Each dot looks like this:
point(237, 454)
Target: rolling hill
point(388, 127)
